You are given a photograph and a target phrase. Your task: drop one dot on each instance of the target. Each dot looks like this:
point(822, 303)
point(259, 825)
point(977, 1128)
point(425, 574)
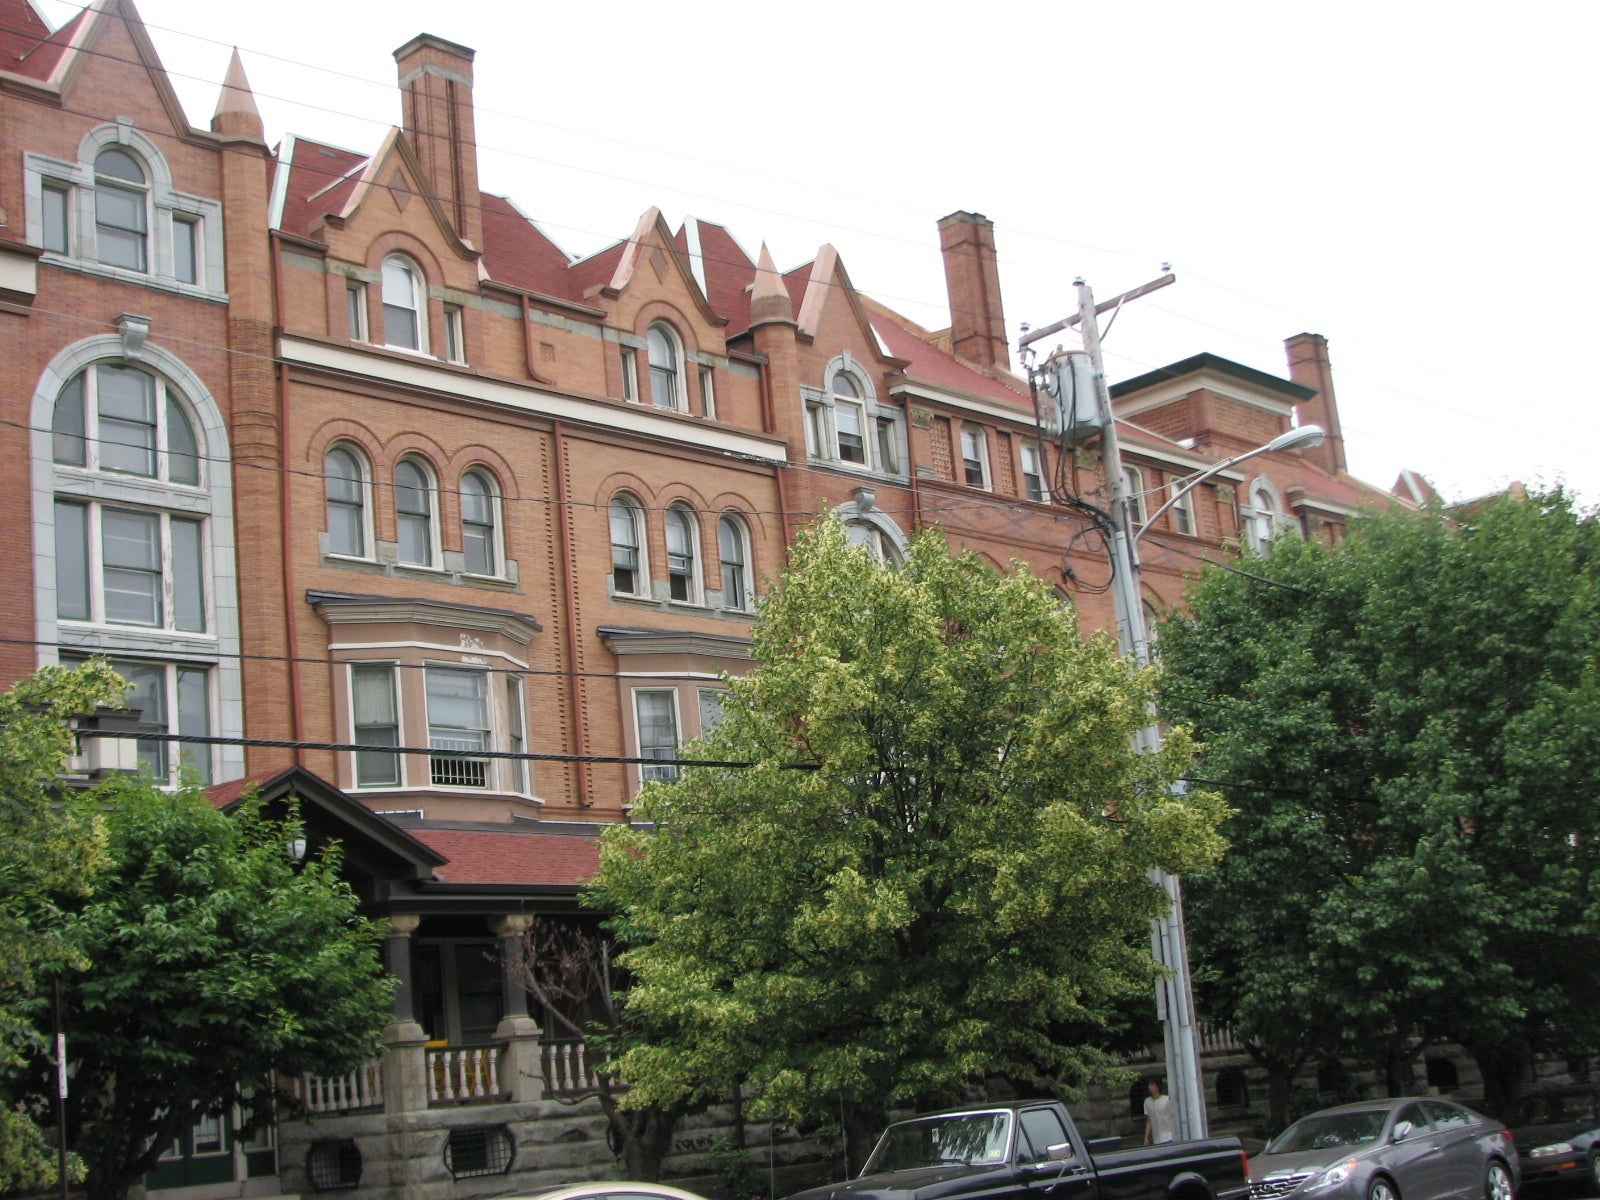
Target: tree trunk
point(1280, 1091)
point(1502, 1078)
point(645, 1135)
point(861, 1127)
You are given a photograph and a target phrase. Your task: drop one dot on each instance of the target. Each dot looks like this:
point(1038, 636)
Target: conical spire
point(769, 299)
point(237, 114)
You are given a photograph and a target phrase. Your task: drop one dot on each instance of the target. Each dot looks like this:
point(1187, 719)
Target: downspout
point(768, 424)
point(291, 622)
point(568, 615)
point(911, 471)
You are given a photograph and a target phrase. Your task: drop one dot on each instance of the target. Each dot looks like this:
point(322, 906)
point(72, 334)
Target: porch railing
point(1215, 1035)
point(361, 1088)
point(464, 1074)
point(568, 1070)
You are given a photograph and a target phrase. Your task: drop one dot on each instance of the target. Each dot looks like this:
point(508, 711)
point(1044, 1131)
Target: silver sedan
point(1398, 1149)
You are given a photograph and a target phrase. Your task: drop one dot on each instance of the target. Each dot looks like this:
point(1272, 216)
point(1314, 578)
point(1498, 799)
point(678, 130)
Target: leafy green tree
point(938, 854)
point(51, 842)
point(214, 964)
point(1410, 725)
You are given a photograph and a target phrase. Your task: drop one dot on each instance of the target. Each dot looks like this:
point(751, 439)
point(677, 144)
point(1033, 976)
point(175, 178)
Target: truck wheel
point(1381, 1189)
point(1497, 1182)
point(1594, 1171)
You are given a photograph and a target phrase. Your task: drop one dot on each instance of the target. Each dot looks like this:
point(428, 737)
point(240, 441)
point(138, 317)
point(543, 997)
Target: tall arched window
point(345, 477)
point(683, 565)
point(121, 210)
point(1264, 515)
point(134, 547)
point(875, 539)
point(414, 513)
point(849, 419)
point(1133, 478)
point(733, 547)
point(480, 531)
point(629, 573)
point(404, 305)
point(666, 367)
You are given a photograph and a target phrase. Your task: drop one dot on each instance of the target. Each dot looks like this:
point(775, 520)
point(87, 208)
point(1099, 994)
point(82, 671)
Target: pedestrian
point(1160, 1122)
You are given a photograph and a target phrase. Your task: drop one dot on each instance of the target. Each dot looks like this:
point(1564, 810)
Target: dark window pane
point(183, 453)
point(194, 719)
point(68, 425)
point(55, 199)
point(185, 251)
point(188, 577)
point(72, 562)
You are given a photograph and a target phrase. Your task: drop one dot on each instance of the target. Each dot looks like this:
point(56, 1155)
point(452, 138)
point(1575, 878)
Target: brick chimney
point(1309, 366)
point(436, 96)
point(972, 278)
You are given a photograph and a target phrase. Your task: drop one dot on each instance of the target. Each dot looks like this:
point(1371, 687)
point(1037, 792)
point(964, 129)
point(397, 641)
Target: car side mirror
point(1059, 1153)
point(1402, 1131)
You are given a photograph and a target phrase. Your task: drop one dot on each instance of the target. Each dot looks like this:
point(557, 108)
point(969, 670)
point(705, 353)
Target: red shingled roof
point(512, 857)
point(27, 47)
point(313, 171)
point(596, 270)
point(728, 272)
point(223, 794)
point(932, 365)
point(516, 252)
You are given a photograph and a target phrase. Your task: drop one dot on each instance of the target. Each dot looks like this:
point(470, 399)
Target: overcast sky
point(1415, 182)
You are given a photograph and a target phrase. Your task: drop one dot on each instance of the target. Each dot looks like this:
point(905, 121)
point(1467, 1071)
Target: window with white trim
point(405, 310)
point(1133, 480)
point(455, 334)
point(375, 716)
point(711, 709)
point(875, 539)
point(458, 720)
point(355, 310)
point(630, 373)
point(347, 487)
point(683, 555)
point(665, 352)
point(656, 719)
point(173, 699)
point(1033, 485)
point(708, 392)
point(630, 574)
point(113, 211)
point(1265, 516)
point(974, 456)
point(480, 523)
point(845, 423)
point(733, 549)
point(1182, 511)
point(415, 509)
point(849, 419)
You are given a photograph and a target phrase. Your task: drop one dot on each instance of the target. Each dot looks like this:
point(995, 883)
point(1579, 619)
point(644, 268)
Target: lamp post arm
point(1306, 436)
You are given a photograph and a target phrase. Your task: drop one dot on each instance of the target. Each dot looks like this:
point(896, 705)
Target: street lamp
point(1305, 437)
point(1174, 997)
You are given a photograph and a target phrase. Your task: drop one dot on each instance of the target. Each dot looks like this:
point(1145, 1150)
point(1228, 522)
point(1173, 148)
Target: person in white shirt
point(1160, 1122)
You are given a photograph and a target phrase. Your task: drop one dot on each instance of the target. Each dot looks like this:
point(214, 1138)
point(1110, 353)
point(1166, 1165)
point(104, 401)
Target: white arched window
point(405, 322)
point(683, 555)
point(121, 210)
point(133, 545)
point(666, 366)
point(1266, 515)
point(345, 478)
point(876, 539)
point(480, 524)
point(1133, 480)
point(733, 548)
point(629, 571)
point(414, 513)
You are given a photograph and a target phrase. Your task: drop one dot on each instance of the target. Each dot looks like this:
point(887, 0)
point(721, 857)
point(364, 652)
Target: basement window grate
point(479, 1150)
point(333, 1165)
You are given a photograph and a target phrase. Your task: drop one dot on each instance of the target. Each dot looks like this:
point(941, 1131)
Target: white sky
point(1414, 181)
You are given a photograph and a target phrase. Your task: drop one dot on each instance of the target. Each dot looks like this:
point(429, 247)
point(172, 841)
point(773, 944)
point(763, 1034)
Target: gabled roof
point(512, 856)
point(1293, 392)
point(28, 46)
point(927, 363)
point(320, 180)
point(516, 252)
point(726, 269)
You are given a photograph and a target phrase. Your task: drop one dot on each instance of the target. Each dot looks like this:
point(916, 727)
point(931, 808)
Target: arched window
point(733, 547)
point(629, 572)
point(414, 513)
point(136, 546)
point(121, 210)
point(875, 539)
point(480, 528)
point(666, 367)
point(345, 476)
point(849, 419)
point(683, 559)
point(404, 306)
point(1133, 479)
point(1265, 516)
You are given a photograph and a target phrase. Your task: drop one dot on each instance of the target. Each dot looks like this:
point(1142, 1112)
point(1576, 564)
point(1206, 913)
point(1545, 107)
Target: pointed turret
point(237, 115)
point(769, 299)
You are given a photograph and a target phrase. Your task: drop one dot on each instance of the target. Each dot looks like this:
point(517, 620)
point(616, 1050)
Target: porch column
point(521, 1071)
point(405, 1066)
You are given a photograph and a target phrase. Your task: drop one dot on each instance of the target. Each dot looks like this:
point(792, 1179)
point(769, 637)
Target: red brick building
point(333, 448)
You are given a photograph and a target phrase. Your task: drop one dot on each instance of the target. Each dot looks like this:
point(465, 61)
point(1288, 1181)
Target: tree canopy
point(51, 843)
point(936, 859)
point(1409, 724)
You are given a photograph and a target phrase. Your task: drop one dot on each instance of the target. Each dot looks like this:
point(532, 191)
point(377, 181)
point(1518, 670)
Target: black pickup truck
point(1030, 1150)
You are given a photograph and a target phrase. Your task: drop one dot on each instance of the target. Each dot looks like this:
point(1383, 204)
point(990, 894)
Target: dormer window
point(404, 309)
point(666, 367)
point(121, 210)
point(850, 419)
point(846, 424)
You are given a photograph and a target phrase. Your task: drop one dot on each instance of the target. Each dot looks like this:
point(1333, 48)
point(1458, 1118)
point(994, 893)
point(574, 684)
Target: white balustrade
point(361, 1088)
point(463, 1074)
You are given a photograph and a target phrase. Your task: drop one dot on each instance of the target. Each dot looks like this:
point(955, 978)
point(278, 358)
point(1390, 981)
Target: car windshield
point(1554, 1108)
point(1330, 1130)
point(964, 1138)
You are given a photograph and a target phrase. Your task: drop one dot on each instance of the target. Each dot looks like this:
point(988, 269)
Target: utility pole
point(1174, 995)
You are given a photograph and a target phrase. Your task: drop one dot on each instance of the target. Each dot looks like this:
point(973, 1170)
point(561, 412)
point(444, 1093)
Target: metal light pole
point(1169, 944)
